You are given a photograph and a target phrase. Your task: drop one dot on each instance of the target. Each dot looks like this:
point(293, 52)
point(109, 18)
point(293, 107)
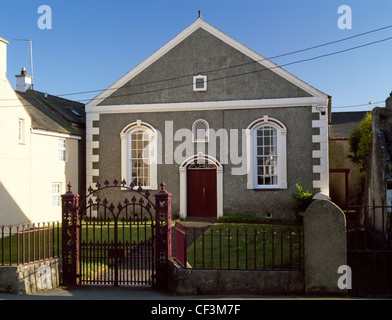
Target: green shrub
point(359, 141)
point(302, 200)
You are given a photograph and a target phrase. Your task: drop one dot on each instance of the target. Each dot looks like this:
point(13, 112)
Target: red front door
point(201, 193)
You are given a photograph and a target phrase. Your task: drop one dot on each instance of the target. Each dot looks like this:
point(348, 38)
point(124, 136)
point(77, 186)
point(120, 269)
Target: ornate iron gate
point(124, 244)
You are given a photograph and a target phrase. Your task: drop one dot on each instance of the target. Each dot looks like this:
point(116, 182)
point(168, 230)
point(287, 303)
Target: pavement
point(143, 293)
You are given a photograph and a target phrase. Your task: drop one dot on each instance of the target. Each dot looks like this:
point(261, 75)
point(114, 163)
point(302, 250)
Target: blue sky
point(93, 43)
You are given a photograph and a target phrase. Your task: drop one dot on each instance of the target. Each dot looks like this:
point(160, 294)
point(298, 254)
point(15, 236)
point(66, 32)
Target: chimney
point(388, 102)
point(23, 81)
point(3, 59)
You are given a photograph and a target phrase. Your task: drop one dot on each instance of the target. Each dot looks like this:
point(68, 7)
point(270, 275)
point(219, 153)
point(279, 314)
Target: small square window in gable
point(200, 83)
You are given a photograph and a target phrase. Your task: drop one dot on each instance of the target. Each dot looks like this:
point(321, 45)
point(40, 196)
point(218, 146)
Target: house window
point(62, 147)
point(200, 130)
point(266, 152)
point(139, 155)
point(199, 83)
point(21, 131)
point(56, 196)
point(266, 156)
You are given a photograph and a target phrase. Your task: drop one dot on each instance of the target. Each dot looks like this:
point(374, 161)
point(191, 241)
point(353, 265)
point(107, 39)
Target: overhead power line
point(358, 105)
point(250, 72)
point(239, 74)
point(239, 65)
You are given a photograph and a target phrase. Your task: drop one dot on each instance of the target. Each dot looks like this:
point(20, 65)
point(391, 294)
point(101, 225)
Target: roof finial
point(200, 15)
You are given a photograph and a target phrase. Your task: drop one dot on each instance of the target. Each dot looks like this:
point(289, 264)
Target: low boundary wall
point(215, 282)
point(30, 278)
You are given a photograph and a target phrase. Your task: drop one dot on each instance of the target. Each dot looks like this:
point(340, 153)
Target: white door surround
point(183, 182)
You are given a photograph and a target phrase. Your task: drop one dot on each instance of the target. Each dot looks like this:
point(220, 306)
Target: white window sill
point(144, 188)
point(268, 188)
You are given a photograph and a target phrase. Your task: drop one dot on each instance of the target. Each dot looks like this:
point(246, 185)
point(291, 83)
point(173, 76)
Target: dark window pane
point(199, 83)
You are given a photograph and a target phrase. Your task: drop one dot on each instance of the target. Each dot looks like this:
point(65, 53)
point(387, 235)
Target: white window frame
point(56, 196)
point(194, 133)
point(142, 157)
point(126, 165)
point(62, 150)
point(263, 155)
point(195, 78)
point(251, 141)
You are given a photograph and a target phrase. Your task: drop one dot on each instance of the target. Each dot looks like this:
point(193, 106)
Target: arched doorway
point(201, 190)
point(201, 187)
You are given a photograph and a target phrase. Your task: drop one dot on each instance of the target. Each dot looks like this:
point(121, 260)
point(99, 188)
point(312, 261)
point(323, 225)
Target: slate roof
point(343, 122)
point(55, 114)
point(347, 117)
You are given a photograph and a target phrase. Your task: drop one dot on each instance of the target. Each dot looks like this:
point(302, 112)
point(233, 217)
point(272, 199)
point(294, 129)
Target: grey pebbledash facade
point(244, 95)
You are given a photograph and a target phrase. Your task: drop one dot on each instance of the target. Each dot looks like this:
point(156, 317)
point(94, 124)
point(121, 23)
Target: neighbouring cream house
point(41, 149)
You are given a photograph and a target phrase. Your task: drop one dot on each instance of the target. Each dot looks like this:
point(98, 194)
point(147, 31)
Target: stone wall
point(31, 278)
point(231, 282)
point(325, 247)
point(378, 174)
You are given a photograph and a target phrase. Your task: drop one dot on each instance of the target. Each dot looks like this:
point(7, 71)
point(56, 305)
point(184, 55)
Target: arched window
point(200, 131)
point(267, 159)
point(139, 155)
point(266, 152)
point(139, 143)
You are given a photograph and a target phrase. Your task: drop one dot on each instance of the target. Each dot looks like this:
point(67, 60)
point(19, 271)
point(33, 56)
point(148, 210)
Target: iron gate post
point(163, 235)
point(70, 252)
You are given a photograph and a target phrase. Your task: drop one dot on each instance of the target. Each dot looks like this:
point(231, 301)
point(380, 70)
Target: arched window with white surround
point(200, 131)
point(266, 154)
point(139, 155)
